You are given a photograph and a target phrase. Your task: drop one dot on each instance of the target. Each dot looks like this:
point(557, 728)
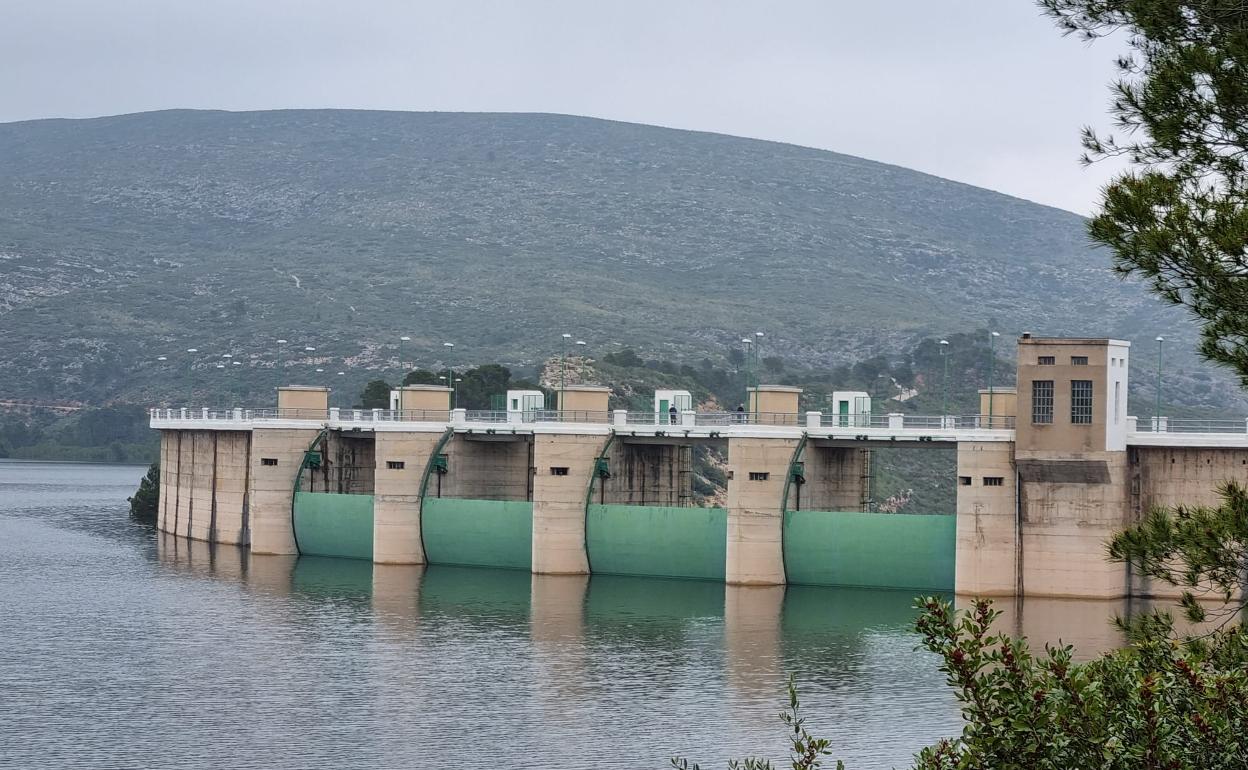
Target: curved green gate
point(870, 550)
point(656, 541)
point(477, 533)
point(328, 524)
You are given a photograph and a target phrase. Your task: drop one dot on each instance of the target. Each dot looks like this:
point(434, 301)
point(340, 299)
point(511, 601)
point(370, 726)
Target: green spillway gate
point(328, 524)
point(870, 550)
point(477, 533)
point(657, 541)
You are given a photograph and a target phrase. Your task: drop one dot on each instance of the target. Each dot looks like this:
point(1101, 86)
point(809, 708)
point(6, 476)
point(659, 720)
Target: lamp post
point(450, 348)
point(992, 361)
point(1157, 415)
point(226, 361)
point(402, 374)
point(944, 396)
point(758, 368)
point(190, 367)
point(563, 369)
point(749, 349)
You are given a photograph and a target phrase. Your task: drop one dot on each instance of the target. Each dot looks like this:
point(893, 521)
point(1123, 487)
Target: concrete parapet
point(987, 525)
point(757, 468)
point(564, 466)
point(276, 454)
point(401, 461)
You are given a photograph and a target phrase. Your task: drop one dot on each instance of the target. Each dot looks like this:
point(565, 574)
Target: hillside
point(127, 238)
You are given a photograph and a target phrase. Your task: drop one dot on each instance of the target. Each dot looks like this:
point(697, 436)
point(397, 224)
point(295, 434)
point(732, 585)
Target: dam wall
point(1038, 494)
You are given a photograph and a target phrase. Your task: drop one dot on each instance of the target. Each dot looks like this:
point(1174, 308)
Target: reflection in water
point(729, 648)
point(154, 651)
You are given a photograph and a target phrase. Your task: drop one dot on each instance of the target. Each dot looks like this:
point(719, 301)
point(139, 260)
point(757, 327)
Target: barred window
point(1042, 402)
point(1078, 360)
point(1081, 402)
point(994, 481)
point(1046, 360)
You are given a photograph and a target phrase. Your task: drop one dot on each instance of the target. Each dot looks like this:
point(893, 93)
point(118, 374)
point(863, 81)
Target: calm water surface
point(120, 647)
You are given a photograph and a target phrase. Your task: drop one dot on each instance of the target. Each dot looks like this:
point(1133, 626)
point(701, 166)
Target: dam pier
point(1045, 475)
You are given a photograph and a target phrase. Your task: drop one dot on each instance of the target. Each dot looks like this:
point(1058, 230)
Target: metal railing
point(918, 421)
point(571, 415)
point(642, 418)
point(1184, 425)
point(854, 420)
point(684, 419)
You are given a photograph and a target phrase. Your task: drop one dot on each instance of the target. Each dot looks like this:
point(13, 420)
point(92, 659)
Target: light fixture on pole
point(749, 347)
point(402, 339)
point(758, 365)
point(944, 398)
point(992, 360)
point(191, 366)
point(450, 346)
point(1157, 414)
point(563, 369)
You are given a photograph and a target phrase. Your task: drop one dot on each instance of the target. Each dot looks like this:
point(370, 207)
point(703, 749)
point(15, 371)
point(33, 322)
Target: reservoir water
point(123, 648)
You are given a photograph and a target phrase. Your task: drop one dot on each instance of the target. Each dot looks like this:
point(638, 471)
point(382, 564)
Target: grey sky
point(982, 91)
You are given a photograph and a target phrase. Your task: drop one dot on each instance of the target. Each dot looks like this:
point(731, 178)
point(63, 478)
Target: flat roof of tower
point(1029, 340)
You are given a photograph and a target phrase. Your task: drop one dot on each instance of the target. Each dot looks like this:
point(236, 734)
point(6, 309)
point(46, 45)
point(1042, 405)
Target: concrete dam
point(1045, 475)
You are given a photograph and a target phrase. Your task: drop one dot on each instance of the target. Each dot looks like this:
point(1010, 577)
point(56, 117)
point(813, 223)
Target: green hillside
point(127, 238)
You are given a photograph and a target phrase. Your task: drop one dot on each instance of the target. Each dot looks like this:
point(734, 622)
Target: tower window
point(1042, 402)
point(1081, 402)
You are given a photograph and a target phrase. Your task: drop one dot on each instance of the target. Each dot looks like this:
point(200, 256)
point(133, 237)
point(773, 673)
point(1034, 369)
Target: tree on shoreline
point(145, 503)
point(1179, 216)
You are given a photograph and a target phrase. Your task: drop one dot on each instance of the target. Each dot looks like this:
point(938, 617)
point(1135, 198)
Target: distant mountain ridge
point(129, 237)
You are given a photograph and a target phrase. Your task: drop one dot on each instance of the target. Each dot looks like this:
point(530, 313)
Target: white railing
point(620, 417)
point(1184, 425)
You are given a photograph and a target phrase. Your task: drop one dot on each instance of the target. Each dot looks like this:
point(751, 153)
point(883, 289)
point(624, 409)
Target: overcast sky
point(982, 91)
